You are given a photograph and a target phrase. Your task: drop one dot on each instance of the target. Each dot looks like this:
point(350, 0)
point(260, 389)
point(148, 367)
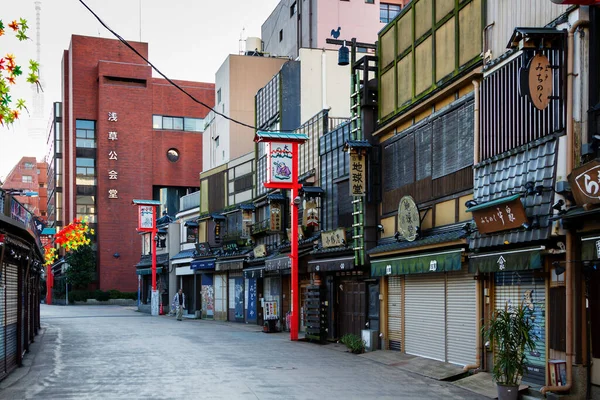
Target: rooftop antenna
point(242, 47)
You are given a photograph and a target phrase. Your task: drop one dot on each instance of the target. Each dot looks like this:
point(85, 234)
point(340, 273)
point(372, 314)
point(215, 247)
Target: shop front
point(253, 277)
point(144, 273)
point(235, 308)
point(430, 305)
point(203, 270)
point(276, 290)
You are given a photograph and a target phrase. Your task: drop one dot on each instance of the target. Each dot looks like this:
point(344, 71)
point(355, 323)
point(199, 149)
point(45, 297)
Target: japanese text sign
point(585, 183)
point(146, 218)
point(280, 159)
point(500, 217)
point(357, 174)
point(540, 81)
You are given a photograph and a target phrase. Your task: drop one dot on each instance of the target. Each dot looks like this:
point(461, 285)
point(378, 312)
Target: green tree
point(82, 267)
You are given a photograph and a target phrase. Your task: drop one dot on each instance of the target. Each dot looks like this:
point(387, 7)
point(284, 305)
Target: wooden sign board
point(540, 81)
point(500, 217)
point(334, 238)
point(585, 183)
point(260, 251)
point(357, 174)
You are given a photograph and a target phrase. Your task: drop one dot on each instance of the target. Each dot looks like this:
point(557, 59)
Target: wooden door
point(352, 306)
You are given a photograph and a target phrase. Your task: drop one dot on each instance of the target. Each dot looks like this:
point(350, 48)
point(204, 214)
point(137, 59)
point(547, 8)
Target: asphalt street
point(112, 352)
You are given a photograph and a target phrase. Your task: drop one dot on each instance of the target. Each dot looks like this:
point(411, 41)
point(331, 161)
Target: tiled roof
point(433, 236)
point(247, 206)
point(286, 136)
point(189, 253)
point(146, 260)
point(506, 175)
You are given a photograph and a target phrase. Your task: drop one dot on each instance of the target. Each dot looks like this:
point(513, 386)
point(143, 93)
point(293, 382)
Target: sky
point(188, 40)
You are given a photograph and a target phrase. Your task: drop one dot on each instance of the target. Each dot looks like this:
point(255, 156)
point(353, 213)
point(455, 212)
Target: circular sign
point(409, 220)
point(540, 81)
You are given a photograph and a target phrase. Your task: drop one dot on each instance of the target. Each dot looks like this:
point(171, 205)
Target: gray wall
point(280, 20)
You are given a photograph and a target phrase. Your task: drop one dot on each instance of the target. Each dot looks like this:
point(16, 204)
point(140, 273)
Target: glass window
point(167, 123)
point(26, 178)
point(387, 12)
point(178, 124)
point(85, 134)
point(293, 10)
point(85, 124)
point(86, 171)
point(193, 124)
point(157, 121)
point(29, 165)
point(218, 96)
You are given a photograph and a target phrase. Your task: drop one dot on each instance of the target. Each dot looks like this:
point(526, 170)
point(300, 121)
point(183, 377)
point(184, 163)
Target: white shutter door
point(461, 318)
point(513, 288)
point(424, 315)
point(395, 312)
point(220, 298)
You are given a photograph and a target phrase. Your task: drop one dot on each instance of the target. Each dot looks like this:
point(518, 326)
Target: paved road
point(111, 352)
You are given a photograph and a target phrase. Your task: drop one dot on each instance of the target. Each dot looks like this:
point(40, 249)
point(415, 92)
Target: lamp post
point(282, 173)
point(147, 223)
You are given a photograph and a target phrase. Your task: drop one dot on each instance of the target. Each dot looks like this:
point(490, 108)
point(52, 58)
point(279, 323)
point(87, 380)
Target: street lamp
point(147, 223)
point(282, 173)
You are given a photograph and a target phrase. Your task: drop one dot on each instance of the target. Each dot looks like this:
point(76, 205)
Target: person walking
point(179, 303)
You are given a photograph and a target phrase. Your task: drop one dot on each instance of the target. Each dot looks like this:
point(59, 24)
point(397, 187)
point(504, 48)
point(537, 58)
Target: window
point(218, 96)
point(26, 179)
point(86, 207)
point(370, 1)
point(85, 134)
point(293, 10)
point(387, 12)
point(191, 234)
point(86, 171)
point(217, 141)
point(281, 35)
point(28, 165)
point(178, 123)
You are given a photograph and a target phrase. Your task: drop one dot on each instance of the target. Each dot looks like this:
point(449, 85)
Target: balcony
point(189, 201)
point(263, 226)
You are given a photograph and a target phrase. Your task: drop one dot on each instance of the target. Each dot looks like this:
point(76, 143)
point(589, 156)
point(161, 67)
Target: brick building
point(27, 181)
point(120, 135)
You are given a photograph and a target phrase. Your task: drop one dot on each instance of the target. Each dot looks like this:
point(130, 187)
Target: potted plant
point(510, 331)
point(354, 343)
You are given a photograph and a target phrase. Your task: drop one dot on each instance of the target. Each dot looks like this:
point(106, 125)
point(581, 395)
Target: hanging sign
point(409, 219)
point(260, 251)
point(333, 238)
point(502, 217)
point(275, 217)
point(540, 81)
point(357, 174)
point(146, 218)
point(280, 159)
point(310, 216)
point(585, 183)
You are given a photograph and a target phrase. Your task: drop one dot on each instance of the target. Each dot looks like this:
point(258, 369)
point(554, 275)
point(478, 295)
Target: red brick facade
point(29, 166)
point(103, 76)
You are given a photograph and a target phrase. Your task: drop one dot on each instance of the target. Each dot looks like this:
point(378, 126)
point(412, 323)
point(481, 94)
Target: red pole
point(49, 285)
point(154, 234)
point(294, 253)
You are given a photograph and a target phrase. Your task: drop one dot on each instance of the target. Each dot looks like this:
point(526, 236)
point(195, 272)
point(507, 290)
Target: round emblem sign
point(409, 220)
point(540, 81)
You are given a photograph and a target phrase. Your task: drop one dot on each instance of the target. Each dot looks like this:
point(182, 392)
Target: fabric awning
point(331, 264)
point(208, 263)
point(148, 271)
point(278, 263)
point(590, 248)
point(444, 261)
point(230, 265)
point(516, 260)
point(254, 272)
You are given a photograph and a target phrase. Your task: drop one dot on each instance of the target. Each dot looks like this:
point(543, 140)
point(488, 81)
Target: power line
point(126, 43)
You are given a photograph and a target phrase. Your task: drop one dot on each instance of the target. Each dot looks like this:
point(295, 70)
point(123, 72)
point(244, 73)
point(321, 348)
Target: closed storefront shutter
point(236, 296)
point(220, 297)
point(395, 312)
point(424, 315)
point(12, 299)
point(514, 288)
point(461, 318)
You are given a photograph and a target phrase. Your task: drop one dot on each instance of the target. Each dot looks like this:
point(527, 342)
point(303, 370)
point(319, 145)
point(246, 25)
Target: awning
point(208, 263)
point(515, 260)
point(231, 265)
point(278, 263)
point(418, 264)
point(313, 191)
point(254, 272)
point(331, 264)
point(590, 248)
point(191, 223)
point(148, 271)
point(146, 260)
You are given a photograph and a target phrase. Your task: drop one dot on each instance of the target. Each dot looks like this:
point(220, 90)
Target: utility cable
point(126, 43)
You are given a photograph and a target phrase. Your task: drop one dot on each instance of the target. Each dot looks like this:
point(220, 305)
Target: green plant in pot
point(354, 343)
point(511, 332)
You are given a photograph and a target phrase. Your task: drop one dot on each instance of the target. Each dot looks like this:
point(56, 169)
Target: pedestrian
point(179, 303)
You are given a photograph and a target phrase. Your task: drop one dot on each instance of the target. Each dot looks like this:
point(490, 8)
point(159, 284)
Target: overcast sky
point(188, 39)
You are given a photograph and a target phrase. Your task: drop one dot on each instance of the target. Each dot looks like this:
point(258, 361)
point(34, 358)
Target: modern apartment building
point(27, 181)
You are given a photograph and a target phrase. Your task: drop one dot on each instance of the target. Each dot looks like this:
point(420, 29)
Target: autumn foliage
point(70, 238)
point(10, 71)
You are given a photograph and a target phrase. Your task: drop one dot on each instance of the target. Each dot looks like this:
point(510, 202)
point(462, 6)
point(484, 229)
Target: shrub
point(354, 343)
point(101, 296)
point(80, 295)
point(115, 294)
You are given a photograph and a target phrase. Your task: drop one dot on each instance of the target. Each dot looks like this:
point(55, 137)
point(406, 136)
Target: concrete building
point(27, 181)
point(236, 82)
point(294, 25)
point(124, 135)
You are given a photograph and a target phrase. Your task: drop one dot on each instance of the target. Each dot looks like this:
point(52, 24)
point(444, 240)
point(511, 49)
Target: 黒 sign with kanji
point(540, 81)
point(500, 217)
point(585, 183)
point(357, 174)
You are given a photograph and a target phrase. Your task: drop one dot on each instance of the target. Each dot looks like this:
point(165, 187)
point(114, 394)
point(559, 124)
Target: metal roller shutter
point(461, 318)
point(424, 315)
point(12, 299)
point(514, 287)
point(220, 297)
point(395, 312)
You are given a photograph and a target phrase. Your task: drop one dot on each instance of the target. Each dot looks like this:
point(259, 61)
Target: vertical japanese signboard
point(540, 81)
point(280, 159)
point(357, 174)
